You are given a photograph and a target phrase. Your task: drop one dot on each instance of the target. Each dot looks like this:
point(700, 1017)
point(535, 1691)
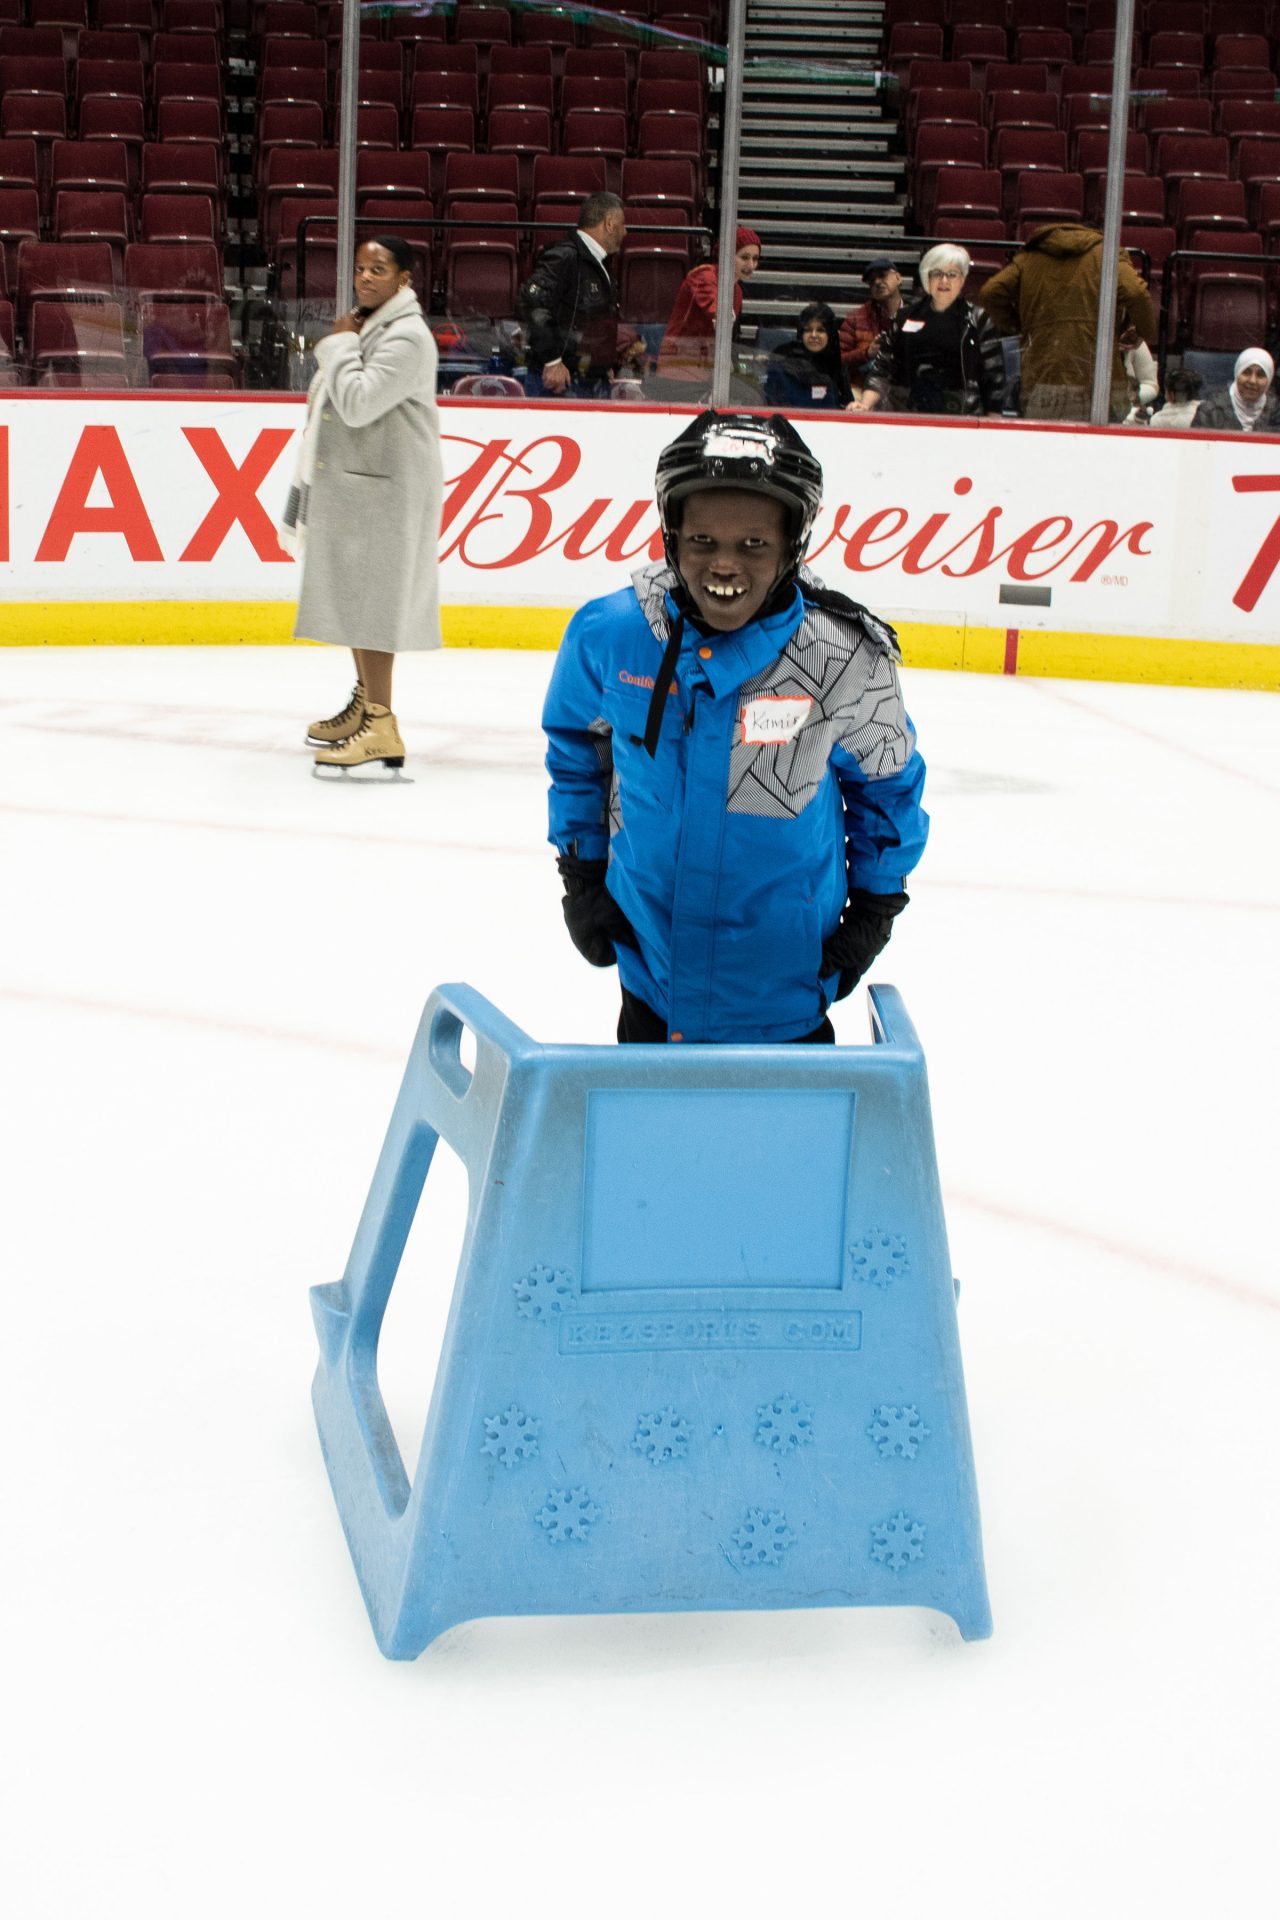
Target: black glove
point(595, 921)
point(865, 926)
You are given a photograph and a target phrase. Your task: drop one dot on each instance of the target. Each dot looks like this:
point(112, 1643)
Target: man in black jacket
point(569, 306)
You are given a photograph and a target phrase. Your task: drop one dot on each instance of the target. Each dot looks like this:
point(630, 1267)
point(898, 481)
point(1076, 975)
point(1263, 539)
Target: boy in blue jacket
point(735, 786)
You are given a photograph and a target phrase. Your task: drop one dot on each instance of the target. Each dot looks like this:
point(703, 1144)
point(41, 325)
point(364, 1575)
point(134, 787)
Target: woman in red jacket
point(688, 350)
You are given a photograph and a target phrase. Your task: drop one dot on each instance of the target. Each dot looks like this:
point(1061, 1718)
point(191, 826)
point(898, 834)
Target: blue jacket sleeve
point(886, 825)
point(579, 747)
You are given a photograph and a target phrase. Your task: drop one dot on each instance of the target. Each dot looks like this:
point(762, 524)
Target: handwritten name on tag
point(774, 717)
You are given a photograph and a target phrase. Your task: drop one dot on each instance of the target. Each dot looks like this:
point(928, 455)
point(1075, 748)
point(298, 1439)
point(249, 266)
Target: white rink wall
point(994, 546)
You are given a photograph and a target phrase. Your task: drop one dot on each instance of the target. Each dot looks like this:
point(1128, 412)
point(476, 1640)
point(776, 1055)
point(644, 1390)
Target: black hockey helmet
point(741, 450)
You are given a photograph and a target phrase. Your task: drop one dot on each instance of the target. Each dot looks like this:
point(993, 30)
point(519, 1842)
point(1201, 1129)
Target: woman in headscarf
point(808, 371)
point(1248, 405)
point(688, 351)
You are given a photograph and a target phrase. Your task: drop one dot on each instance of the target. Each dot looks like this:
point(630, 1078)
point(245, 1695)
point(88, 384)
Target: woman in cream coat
point(364, 514)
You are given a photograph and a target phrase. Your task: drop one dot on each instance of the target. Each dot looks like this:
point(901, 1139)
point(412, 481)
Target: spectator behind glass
point(1142, 375)
point(1181, 399)
point(1248, 404)
point(942, 354)
point(1048, 295)
point(807, 371)
point(862, 326)
point(569, 306)
point(687, 355)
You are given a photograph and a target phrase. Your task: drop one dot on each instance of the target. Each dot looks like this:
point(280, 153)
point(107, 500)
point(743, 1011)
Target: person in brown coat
point(1048, 295)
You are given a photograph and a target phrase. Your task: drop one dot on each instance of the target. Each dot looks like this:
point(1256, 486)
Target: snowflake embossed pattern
point(569, 1514)
point(511, 1437)
point(662, 1436)
point(763, 1538)
point(880, 1258)
point(543, 1293)
point(784, 1424)
point(897, 1432)
point(896, 1542)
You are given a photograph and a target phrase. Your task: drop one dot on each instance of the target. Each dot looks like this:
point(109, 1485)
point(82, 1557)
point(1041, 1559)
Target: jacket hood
point(1064, 242)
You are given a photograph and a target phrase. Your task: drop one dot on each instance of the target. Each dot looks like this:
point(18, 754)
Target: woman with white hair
point(941, 354)
point(1249, 404)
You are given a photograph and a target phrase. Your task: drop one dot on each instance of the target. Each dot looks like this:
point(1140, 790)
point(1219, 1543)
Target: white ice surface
point(212, 969)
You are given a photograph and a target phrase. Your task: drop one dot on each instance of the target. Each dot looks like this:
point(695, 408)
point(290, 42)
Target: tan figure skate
point(374, 751)
point(324, 733)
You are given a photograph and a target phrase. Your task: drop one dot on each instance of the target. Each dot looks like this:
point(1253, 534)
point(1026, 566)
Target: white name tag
point(774, 717)
point(913, 326)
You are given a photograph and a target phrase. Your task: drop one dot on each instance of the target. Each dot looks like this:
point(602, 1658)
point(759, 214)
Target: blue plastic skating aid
point(702, 1350)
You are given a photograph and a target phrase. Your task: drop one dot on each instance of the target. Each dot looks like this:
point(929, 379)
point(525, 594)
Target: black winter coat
point(981, 359)
point(569, 306)
point(793, 378)
point(1217, 414)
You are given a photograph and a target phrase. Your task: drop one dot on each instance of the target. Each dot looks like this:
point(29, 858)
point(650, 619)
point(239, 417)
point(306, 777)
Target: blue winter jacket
point(786, 772)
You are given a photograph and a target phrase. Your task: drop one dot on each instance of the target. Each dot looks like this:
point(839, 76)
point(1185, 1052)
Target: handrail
point(317, 220)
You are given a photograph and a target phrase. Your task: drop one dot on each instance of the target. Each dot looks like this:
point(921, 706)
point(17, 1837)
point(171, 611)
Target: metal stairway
point(821, 179)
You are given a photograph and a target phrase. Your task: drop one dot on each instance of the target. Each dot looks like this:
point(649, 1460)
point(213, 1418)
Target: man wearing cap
point(687, 355)
point(862, 326)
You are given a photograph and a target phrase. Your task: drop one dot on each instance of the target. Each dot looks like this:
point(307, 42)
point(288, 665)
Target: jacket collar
point(401, 303)
point(735, 657)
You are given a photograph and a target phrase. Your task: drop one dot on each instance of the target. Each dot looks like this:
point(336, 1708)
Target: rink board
point(993, 546)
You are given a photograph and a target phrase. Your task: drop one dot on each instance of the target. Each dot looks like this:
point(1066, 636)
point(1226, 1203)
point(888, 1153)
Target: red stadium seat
point(572, 178)
point(188, 120)
point(1043, 198)
point(442, 132)
point(188, 337)
point(376, 126)
point(657, 183)
point(301, 125)
point(294, 174)
point(1092, 150)
point(948, 107)
point(942, 147)
point(48, 271)
point(177, 271)
point(524, 132)
point(1017, 76)
point(908, 42)
point(82, 340)
point(1209, 205)
point(481, 176)
point(522, 90)
point(185, 219)
point(401, 176)
point(1048, 47)
point(964, 192)
point(1179, 115)
point(1005, 109)
point(606, 93)
point(185, 169)
point(605, 134)
point(19, 221)
point(979, 44)
point(446, 90)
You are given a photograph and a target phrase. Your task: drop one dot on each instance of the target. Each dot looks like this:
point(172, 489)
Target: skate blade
point(375, 773)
